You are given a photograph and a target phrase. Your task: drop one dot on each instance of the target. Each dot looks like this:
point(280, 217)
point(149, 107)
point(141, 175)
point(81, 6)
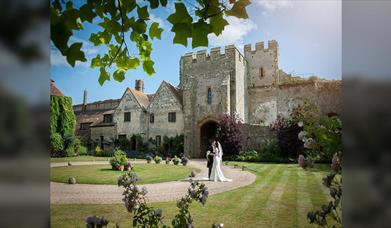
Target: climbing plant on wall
point(62, 117)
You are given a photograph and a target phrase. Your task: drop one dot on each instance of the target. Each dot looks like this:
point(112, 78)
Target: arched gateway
point(207, 130)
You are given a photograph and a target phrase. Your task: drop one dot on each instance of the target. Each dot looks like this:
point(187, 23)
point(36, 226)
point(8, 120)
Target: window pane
point(209, 96)
point(151, 118)
point(127, 117)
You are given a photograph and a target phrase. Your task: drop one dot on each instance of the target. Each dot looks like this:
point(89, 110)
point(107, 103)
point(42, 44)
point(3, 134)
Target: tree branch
point(122, 35)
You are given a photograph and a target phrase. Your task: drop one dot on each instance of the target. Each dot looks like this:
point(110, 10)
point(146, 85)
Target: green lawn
point(79, 158)
point(103, 174)
point(280, 197)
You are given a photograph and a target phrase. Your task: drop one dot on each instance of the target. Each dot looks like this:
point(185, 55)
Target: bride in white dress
point(217, 173)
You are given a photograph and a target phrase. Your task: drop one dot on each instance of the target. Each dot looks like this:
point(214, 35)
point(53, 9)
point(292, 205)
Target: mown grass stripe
point(253, 206)
point(261, 182)
point(303, 203)
point(287, 211)
point(274, 201)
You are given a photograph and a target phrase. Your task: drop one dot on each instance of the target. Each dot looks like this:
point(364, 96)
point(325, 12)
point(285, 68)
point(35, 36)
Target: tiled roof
point(101, 102)
point(54, 91)
point(141, 97)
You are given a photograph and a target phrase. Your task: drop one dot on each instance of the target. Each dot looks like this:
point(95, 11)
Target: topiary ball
point(72, 180)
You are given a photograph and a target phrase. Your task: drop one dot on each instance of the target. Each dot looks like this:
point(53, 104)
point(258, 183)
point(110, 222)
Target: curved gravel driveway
point(61, 193)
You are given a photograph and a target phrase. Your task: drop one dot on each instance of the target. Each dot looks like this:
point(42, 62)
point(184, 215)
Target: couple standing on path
point(214, 155)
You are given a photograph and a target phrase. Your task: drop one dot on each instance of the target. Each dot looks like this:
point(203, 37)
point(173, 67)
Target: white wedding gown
point(217, 173)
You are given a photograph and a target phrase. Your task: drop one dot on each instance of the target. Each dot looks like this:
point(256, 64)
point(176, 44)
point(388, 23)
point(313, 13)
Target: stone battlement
point(259, 46)
point(214, 54)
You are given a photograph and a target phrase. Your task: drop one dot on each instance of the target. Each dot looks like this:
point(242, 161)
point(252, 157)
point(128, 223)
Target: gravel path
point(61, 193)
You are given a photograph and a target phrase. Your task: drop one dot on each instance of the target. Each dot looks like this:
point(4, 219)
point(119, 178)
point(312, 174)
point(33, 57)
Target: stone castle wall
point(223, 74)
point(256, 135)
point(326, 95)
point(262, 77)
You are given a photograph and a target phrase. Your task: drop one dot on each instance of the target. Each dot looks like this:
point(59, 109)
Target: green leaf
point(119, 75)
point(154, 4)
point(239, 9)
point(60, 35)
point(96, 62)
point(163, 2)
point(140, 26)
point(69, 5)
point(148, 67)
point(86, 13)
point(100, 38)
point(70, 19)
point(54, 16)
point(143, 13)
point(127, 63)
point(200, 34)
point(218, 23)
point(155, 31)
point(128, 5)
point(181, 15)
point(104, 76)
point(74, 54)
point(111, 26)
point(182, 32)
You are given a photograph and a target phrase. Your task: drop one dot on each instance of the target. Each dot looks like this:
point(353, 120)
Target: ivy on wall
point(62, 117)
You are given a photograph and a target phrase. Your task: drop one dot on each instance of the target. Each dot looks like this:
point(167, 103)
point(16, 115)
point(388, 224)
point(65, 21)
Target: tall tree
point(126, 21)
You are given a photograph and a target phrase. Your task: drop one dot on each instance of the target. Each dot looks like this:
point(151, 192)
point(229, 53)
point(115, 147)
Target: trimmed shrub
point(83, 151)
point(56, 144)
point(71, 152)
point(77, 145)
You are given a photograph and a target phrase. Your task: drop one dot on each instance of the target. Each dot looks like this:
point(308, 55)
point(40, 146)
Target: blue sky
point(308, 33)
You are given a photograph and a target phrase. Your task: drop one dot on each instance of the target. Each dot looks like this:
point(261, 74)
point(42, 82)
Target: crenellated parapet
point(272, 45)
point(214, 54)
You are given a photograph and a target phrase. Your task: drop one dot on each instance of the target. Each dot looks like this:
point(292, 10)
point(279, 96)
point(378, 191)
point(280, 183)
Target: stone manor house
point(248, 84)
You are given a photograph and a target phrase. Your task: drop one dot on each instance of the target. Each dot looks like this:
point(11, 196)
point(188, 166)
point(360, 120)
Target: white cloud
point(233, 33)
point(273, 5)
point(57, 59)
point(157, 19)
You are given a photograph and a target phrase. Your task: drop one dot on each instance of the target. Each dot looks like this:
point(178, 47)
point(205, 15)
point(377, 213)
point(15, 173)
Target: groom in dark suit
point(210, 156)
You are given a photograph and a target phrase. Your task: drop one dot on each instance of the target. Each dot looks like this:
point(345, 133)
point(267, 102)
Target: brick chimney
point(85, 99)
point(139, 85)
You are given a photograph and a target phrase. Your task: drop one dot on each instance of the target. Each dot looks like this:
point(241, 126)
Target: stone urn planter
point(176, 162)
